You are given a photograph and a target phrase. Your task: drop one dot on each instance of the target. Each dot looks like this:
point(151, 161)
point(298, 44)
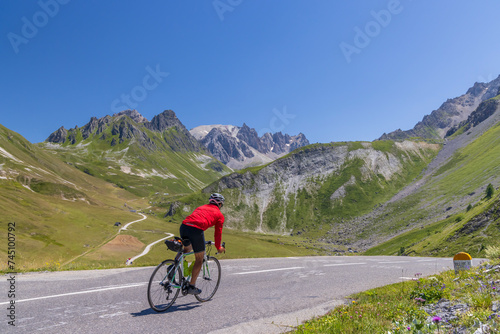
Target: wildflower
point(436, 319)
point(408, 328)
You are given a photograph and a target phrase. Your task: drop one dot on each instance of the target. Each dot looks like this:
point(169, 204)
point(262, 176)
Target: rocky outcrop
point(250, 136)
point(316, 182)
point(485, 110)
point(129, 125)
point(58, 136)
point(126, 146)
point(133, 114)
point(479, 222)
point(449, 114)
point(167, 119)
point(225, 147)
point(240, 147)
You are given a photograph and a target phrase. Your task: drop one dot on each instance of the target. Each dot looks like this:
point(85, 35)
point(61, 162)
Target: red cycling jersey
point(207, 216)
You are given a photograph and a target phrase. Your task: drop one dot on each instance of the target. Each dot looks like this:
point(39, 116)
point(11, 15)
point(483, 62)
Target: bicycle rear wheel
point(161, 293)
point(209, 279)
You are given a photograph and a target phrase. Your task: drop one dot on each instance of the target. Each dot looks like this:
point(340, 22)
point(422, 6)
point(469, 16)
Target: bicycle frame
point(179, 258)
point(162, 282)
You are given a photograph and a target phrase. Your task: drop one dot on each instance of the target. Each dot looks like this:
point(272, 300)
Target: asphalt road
point(255, 296)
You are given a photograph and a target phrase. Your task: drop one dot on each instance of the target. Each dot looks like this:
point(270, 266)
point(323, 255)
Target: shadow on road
point(173, 308)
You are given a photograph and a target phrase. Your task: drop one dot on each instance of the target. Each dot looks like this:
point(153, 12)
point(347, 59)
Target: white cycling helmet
point(216, 198)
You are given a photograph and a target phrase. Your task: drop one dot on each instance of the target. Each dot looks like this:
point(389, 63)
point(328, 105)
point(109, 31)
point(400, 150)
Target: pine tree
point(489, 191)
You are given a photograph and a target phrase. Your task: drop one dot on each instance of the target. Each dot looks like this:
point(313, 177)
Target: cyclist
point(193, 228)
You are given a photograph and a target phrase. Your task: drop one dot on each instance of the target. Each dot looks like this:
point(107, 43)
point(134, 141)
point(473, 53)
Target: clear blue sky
point(236, 61)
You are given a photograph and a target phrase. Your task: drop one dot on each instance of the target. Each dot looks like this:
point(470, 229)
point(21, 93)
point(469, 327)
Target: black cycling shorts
point(195, 235)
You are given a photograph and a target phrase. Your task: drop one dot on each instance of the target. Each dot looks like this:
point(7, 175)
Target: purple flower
point(408, 328)
point(436, 319)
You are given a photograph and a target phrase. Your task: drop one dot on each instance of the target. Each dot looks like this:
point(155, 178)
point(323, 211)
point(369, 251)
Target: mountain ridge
point(142, 156)
point(449, 114)
point(240, 147)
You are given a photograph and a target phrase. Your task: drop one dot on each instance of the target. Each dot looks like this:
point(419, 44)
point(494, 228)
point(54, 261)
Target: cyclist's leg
point(197, 266)
point(184, 233)
point(197, 239)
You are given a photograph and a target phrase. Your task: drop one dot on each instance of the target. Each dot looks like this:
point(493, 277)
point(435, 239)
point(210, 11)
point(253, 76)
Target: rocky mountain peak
point(165, 120)
point(131, 125)
point(240, 147)
point(250, 136)
point(450, 114)
point(59, 136)
point(133, 114)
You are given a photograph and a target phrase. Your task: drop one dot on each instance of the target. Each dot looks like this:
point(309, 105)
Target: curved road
point(255, 296)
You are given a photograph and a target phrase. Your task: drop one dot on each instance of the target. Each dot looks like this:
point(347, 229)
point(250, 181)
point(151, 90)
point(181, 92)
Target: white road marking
point(393, 262)
point(409, 278)
point(265, 271)
point(113, 314)
point(79, 292)
point(426, 260)
point(52, 326)
point(89, 313)
point(342, 264)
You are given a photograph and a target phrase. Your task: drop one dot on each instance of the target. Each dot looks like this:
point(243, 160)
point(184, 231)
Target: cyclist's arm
point(218, 233)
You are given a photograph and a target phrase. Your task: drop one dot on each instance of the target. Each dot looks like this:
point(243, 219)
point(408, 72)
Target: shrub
point(428, 290)
point(489, 191)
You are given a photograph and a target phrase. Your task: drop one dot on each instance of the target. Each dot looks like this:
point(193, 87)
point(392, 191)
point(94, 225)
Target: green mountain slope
point(59, 211)
point(439, 208)
point(317, 186)
point(142, 157)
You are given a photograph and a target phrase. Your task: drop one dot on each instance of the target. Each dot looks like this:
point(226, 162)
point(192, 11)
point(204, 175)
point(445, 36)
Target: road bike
point(168, 279)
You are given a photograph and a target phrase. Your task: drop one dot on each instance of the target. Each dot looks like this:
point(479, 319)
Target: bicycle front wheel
point(209, 279)
point(161, 292)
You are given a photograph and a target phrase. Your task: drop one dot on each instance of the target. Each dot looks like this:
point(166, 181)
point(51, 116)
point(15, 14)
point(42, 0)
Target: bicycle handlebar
point(211, 242)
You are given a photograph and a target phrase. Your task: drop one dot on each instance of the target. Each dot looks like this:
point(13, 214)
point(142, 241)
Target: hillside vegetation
point(59, 211)
point(142, 157)
point(316, 186)
point(460, 182)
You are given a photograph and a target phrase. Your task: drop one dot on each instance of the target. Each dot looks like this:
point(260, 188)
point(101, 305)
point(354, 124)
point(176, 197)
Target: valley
point(408, 193)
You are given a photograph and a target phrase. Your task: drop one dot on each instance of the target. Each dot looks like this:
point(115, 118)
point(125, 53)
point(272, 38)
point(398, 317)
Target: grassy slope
point(310, 213)
point(70, 210)
point(473, 166)
point(73, 213)
point(311, 208)
point(177, 172)
point(238, 244)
